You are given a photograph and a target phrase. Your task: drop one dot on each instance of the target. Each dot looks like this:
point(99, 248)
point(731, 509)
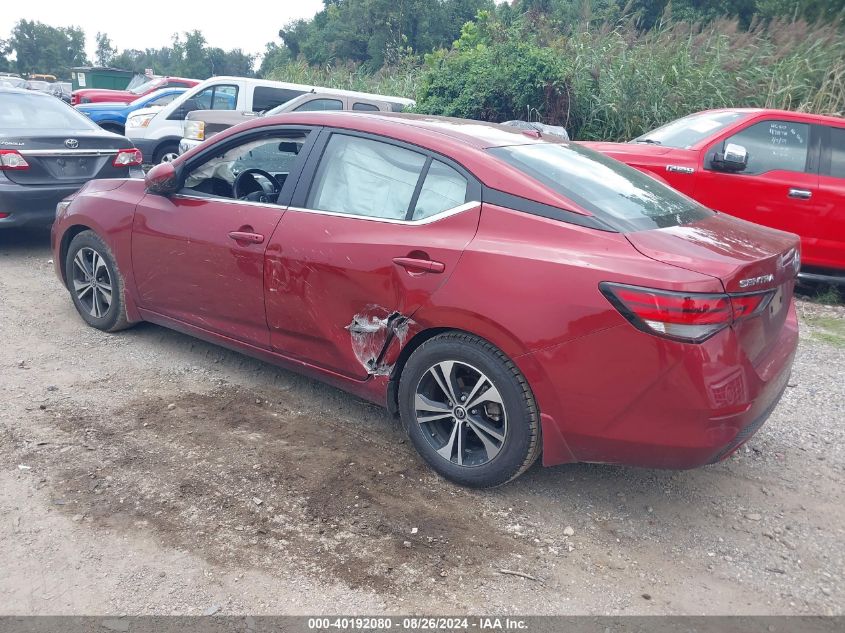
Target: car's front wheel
point(95, 283)
point(469, 411)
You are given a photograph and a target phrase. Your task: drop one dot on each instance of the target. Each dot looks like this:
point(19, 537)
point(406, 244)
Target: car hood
point(623, 150)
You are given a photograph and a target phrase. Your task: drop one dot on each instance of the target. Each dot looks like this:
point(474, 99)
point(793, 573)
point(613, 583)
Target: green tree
point(40, 48)
point(105, 51)
point(274, 57)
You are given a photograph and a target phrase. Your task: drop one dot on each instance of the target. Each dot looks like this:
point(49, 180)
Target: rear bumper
point(622, 396)
point(30, 205)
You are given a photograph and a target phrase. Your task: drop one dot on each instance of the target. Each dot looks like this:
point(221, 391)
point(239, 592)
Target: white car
point(157, 132)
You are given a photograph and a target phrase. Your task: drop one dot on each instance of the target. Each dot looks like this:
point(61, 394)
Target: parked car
point(40, 86)
point(13, 82)
point(48, 150)
point(781, 169)
point(94, 95)
point(203, 124)
point(157, 134)
point(112, 116)
point(61, 90)
point(507, 295)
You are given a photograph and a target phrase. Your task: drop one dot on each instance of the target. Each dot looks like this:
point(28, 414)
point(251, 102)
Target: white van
point(157, 132)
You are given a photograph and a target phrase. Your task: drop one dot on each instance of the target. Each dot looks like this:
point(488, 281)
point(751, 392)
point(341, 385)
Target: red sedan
point(506, 294)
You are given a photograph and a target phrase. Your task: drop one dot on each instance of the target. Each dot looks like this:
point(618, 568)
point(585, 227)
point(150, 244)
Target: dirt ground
point(148, 472)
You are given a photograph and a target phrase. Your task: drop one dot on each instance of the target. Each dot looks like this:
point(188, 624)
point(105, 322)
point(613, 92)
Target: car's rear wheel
point(95, 283)
point(469, 411)
point(166, 153)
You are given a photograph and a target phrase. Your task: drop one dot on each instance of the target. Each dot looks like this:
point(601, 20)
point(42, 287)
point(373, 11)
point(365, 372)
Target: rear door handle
point(414, 265)
point(245, 236)
point(800, 194)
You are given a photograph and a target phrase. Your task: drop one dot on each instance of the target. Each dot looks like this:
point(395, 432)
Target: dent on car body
point(372, 333)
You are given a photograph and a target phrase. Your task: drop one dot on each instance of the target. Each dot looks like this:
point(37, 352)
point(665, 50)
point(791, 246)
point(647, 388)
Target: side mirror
point(733, 159)
point(162, 180)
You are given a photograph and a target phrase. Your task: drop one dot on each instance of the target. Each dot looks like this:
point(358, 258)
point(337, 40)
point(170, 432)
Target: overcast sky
point(151, 23)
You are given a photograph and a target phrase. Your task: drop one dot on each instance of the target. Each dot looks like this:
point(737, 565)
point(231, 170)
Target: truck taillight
point(128, 158)
point(12, 160)
point(690, 317)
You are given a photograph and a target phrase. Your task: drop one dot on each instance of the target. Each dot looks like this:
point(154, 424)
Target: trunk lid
point(69, 158)
point(745, 257)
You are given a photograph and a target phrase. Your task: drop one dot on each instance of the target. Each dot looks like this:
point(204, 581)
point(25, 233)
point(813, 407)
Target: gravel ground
point(147, 472)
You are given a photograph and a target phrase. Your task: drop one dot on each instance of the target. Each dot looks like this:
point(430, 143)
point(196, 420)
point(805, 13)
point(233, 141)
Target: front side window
point(363, 177)
point(621, 196)
point(364, 107)
point(254, 171)
point(320, 105)
point(214, 98)
point(774, 145)
point(690, 130)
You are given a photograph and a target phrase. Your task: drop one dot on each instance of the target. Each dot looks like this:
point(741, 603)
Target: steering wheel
point(263, 195)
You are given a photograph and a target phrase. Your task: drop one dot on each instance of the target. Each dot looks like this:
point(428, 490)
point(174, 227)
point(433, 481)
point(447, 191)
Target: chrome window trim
point(432, 218)
point(248, 203)
point(72, 152)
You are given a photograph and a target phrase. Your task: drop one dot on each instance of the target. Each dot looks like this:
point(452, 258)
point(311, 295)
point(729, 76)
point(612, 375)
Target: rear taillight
point(128, 158)
point(691, 317)
point(12, 160)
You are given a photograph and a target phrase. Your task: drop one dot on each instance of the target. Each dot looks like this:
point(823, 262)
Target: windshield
point(23, 113)
point(690, 130)
point(623, 197)
point(144, 87)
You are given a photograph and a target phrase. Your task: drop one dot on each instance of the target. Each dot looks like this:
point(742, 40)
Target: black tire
point(91, 304)
point(518, 423)
point(163, 150)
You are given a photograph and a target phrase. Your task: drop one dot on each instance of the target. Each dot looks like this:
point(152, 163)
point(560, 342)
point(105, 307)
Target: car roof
point(800, 116)
point(24, 91)
point(476, 134)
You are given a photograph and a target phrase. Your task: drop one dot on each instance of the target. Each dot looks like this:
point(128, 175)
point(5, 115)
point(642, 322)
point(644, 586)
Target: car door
point(374, 229)
point(825, 248)
point(776, 188)
point(198, 255)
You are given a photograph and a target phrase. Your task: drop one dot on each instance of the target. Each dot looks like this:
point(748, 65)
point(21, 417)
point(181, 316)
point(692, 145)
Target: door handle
point(800, 194)
point(246, 236)
point(415, 265)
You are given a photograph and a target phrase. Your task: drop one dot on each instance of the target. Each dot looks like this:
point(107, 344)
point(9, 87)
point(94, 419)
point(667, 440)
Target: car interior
point(255, 171)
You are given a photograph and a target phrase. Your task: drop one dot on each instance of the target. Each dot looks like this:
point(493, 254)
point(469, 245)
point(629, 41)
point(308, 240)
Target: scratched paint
point(372, 332)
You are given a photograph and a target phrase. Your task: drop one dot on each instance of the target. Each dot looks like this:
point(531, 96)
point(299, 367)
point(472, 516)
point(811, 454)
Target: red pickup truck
point(781, 169)
point(95, 95)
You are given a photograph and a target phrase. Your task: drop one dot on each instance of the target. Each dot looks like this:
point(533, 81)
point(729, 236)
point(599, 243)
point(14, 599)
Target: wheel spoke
point(95, 305)
point(421, 403)
point(448, 448)
point(482, 380)
point(490, 437)
point(80, 262)
point(106, 297)
point(81, 287)
point(490, 395)
point(442, 373)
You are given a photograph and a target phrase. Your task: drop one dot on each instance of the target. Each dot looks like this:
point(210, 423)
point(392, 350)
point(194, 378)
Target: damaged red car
point(507, 294)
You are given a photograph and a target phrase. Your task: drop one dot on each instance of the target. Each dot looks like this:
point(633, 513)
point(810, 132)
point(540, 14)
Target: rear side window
point(320, 105)
point(443, 189)
point(364, 107)
point(621, 196)
point(363, 177)
point(774, 145)
point(837, 152)
point(266, 98)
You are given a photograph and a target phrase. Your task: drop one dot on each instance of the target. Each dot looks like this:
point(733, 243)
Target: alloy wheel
point(92, 282)
point(461, 413)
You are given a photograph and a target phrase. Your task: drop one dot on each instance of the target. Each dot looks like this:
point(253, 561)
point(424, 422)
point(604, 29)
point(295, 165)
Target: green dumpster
point(99, 77)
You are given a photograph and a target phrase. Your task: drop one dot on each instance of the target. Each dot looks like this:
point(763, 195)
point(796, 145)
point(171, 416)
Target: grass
point(830, 330)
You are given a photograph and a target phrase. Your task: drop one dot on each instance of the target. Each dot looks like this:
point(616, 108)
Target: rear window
point(623, 197)
point(22, 113)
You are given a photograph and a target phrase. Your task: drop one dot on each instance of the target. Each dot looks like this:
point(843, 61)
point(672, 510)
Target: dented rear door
point(340, 286)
